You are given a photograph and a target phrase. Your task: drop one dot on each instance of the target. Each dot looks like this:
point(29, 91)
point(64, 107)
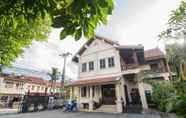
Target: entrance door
point(108, 94)
point(135, 96)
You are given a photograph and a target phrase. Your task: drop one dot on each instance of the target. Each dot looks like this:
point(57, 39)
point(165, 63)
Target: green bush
point(170, 97)
point(161, 93)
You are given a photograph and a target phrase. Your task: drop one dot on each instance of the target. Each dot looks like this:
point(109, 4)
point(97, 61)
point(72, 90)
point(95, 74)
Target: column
point(135, 57)
point(142, 96)
point(91, 99)
point(123, 91)
point(118, 96)
point(71, 93)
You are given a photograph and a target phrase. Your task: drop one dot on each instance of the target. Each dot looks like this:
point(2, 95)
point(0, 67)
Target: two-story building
point(108, 73)
point(13, 88)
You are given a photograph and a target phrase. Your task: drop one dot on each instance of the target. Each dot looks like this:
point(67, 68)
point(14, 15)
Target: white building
point(108, 73)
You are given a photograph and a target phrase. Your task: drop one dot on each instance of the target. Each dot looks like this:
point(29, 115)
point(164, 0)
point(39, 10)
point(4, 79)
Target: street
point(60, 114)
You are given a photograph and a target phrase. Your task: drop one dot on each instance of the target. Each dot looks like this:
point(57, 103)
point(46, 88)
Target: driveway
point(60, 114)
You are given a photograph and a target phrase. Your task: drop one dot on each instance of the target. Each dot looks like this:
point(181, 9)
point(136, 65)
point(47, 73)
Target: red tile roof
point(97, 81)
point(34, 80)
point(154, 54)
point(30, 79)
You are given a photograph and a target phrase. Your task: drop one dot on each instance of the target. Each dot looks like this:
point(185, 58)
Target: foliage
point(171, 97)
point(177, 23)
point(13, 40)
point(22, 21)
point(162, 92)
point(54, 75)
point(176, 56)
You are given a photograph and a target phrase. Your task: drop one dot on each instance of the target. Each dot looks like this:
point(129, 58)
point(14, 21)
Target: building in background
point(13, 88)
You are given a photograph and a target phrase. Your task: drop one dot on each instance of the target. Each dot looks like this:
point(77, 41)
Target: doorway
point(108, 94)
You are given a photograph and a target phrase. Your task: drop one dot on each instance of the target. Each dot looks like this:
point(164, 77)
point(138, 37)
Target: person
point(50, 102)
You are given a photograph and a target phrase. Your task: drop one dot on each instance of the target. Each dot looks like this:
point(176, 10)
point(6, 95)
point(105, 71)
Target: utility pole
point(64, 55)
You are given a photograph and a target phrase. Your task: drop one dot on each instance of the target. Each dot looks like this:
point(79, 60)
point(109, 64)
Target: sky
point(132, 22)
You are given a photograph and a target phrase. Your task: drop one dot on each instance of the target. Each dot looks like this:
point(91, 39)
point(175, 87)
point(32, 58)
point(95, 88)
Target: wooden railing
point(129, 66)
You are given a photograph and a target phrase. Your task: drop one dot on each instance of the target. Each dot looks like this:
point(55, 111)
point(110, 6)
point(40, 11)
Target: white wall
point(96, 51)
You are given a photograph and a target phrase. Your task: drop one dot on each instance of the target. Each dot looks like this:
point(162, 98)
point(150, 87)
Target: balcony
point(129, 66)
point(157, 70)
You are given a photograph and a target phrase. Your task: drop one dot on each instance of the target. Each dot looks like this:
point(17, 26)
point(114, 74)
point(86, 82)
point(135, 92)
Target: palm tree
point(54, 75)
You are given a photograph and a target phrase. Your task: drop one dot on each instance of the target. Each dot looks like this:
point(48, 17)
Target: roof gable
point(89, 42)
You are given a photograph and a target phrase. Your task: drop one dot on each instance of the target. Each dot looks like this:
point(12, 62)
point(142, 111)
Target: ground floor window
point(83, 91)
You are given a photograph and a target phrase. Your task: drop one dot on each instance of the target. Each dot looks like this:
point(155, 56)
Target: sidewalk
point(8, 111)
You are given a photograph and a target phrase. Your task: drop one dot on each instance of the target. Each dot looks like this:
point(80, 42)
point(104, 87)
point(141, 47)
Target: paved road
point(60, 114)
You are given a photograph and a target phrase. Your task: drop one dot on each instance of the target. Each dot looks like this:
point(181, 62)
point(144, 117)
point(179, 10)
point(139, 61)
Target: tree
point(177, 23)
point(14, 39)
point(176, 56)
point(22, 21)
point(54, 75)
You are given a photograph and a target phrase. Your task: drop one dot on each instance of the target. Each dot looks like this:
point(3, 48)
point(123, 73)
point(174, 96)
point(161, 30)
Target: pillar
point(135, 57)
point(118, 96)
point(91, 99)
point(123, 91)
point(142, 96)
point(71, 93)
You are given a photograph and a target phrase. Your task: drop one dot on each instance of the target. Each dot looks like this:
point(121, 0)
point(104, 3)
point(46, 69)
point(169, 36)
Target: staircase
point(107, 109)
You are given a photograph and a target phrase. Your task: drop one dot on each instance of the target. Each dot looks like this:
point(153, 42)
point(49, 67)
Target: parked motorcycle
point(70, 106)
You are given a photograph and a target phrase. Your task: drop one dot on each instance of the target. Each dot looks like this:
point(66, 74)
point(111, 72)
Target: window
point(33, 87)
point(102, 63)
point(83, 91)
point(111, 62)
point(38, 88)
point(9, 85)
point(84, 67)
point(154, 66)
point(91, 65)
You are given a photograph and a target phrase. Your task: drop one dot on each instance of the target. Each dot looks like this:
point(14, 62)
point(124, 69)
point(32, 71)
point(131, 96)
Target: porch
point(112, 94)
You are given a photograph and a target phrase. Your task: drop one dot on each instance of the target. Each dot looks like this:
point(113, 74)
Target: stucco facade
point(108, 74)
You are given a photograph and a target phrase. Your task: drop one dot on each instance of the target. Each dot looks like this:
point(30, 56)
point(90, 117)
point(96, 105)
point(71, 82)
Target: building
point(13, 88)
point(108, 73)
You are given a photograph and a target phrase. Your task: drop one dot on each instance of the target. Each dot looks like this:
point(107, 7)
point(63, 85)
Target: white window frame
point(111, 62)
point(101, 64)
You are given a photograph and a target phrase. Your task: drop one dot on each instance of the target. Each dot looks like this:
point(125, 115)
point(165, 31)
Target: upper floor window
point(111, 62)
point(84, 67)
point(9, 85)
point(102, 63)
point(91, 65)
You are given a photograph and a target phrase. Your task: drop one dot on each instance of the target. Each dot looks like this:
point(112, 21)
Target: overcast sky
point(132, 22)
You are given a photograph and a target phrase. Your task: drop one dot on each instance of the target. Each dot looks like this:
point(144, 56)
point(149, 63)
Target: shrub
point(161, 93)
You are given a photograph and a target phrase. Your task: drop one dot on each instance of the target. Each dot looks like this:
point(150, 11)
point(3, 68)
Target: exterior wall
point(11, 89)
point(161, 65)
point(96, 51)
point(38, 88)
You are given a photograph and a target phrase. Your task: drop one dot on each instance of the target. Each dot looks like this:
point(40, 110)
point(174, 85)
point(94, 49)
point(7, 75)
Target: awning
point(97, 81)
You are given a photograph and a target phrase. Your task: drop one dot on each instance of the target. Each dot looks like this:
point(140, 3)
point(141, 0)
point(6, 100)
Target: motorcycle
point(70, 106)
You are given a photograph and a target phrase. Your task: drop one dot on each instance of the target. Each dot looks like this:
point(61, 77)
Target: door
point(108, 94)
point(135, 96)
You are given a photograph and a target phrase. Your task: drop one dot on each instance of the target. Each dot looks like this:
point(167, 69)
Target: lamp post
point(64, 55)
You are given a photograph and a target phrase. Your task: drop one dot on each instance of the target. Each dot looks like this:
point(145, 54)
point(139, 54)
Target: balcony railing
point(129, 66)
point(158, 70)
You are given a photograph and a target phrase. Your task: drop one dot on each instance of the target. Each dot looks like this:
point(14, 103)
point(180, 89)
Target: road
point(60, 114)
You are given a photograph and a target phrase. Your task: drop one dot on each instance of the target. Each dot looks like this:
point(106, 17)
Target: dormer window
point(91, 66)
point(84, 67)
point(111, 62)
point(102, 63)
